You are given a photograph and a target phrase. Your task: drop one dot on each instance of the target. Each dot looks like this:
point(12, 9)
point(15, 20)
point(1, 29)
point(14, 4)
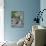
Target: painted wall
point(1, 20)
point(29, 7)
point(43, 6)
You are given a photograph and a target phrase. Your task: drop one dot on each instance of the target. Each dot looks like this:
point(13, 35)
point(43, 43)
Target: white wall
point(1, 20)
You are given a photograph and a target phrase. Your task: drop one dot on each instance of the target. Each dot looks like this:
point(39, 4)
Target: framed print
point(17, 18)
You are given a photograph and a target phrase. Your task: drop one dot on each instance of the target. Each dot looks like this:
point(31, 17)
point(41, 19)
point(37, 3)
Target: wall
point(29, 7)
point(1, 20)
point(43, 6)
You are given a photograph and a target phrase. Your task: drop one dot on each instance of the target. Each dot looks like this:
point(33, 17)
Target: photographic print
point(17, 18)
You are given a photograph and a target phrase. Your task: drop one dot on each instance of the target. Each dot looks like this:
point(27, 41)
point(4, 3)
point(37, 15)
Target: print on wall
point(17, 19)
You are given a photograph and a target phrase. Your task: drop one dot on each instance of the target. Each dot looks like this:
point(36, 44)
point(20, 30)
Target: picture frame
point(17, 19)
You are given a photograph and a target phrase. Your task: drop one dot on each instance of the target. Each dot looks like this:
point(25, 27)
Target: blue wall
point(43, 6)
point(29, 7)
